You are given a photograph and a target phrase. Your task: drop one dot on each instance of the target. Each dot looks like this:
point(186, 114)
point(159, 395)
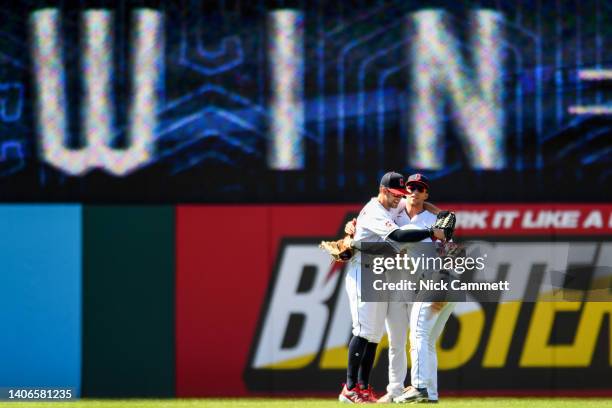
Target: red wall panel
point(224, 262)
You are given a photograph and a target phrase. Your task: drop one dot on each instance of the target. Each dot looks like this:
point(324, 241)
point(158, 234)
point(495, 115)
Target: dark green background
point(128, 301)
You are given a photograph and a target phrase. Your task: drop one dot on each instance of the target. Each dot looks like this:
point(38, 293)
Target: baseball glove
point(446, 221)
point(339, 250)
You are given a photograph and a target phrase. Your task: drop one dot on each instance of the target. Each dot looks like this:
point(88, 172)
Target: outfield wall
point(40, 295)
point(189, 301)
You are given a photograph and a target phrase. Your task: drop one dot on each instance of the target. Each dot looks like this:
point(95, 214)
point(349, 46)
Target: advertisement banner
point(262, 310)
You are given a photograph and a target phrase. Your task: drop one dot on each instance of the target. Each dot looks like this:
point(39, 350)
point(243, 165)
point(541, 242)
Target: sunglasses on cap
point(393, 194)
point(415, 187)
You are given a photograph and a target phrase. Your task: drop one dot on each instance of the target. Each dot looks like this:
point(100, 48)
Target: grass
point(312, 403)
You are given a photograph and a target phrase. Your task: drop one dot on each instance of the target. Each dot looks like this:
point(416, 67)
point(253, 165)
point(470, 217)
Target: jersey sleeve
point(380, 224)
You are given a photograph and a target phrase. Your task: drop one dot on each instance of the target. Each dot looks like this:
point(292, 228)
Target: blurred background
point(167, 169)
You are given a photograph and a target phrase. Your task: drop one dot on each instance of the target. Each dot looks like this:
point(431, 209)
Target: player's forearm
point(371, 247)
point(431, 208)
point(409, 235)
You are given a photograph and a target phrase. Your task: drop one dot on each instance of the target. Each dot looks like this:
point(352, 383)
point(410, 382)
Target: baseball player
point(414, 213)
point(415, 217)
point(375, 223)
point(427, 320)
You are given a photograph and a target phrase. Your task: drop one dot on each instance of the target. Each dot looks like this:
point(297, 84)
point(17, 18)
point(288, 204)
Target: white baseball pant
point(426, 325)
point(368, 317)
point(397, 322)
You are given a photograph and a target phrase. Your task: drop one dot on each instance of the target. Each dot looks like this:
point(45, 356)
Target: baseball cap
point(418, 178)
point(394, 182)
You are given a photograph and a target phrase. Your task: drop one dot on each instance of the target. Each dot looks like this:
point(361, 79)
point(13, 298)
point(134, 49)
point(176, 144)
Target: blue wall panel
point(40, 295)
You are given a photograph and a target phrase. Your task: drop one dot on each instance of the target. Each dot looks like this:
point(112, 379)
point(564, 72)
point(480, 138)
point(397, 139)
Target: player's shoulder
point(371, 207)
point(372, 211)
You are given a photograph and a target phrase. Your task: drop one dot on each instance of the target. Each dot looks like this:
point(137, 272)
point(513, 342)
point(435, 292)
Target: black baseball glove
point(446, 221)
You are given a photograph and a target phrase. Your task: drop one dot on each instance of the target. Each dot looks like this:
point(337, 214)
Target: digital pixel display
point(236, 101)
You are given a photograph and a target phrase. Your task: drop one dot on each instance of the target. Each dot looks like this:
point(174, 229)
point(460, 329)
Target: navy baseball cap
point(418, 178)
point(394, 182)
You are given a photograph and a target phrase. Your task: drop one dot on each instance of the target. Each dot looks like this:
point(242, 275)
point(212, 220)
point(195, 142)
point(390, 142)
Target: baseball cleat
point(412, 395)
point(386, 399)
point(368, 394)
point(351, 396)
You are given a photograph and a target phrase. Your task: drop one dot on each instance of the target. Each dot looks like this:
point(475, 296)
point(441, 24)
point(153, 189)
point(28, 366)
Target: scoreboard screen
point(261, 101)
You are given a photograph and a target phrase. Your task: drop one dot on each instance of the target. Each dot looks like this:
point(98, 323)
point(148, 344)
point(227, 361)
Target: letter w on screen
point(97, 108)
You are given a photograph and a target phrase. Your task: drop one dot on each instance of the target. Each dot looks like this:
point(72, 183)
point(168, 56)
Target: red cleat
point(368, 394)
point(353, 396)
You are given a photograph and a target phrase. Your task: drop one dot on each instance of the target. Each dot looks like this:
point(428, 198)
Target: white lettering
point(472, 219)
point(593, 220)
point(504, 219)
point(439, 72)
point(49, 72)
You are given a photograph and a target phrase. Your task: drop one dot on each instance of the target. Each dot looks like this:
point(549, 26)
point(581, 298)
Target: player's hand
point(437, 306)
point(439, 234)
point(351, 227)
point(348, 241)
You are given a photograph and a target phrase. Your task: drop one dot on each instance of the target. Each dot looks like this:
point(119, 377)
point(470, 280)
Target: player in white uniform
point(427, 319)
point(376, 223)
point(415, 216)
